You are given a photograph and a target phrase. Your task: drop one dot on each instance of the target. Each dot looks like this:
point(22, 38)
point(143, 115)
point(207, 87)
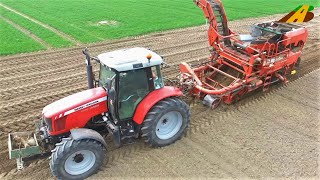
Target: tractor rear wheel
point(76, 159)
point(166, 122)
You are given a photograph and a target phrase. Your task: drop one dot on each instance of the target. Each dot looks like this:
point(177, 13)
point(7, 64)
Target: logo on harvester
point(301, 14)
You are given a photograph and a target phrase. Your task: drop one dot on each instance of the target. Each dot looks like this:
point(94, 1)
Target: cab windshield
point(105, 74)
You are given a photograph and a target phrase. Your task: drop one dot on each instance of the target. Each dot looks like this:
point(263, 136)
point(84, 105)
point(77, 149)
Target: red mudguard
point(151, 99)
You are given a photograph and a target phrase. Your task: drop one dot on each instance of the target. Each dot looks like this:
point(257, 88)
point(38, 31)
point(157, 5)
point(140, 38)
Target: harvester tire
point(76, 159)
point(166, 122)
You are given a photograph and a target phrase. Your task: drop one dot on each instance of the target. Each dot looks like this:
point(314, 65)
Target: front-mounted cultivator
point(21, 145)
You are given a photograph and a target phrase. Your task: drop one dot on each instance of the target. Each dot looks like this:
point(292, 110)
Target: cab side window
point(157, 77)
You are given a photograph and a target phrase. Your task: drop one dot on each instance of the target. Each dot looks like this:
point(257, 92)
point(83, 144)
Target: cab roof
point(129, 59)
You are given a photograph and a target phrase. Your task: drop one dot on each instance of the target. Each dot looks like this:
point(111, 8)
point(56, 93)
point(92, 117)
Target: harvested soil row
point(218, 150)
point(33, 101)
point(47, 63)
point(253, 142)
point(154, 43)
point(35, 87)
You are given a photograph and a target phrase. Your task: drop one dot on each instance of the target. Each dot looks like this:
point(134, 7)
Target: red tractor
point(128, 100)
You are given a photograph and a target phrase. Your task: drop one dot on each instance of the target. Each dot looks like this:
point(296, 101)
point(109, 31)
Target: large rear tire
point(166, 122)
point(76, 159)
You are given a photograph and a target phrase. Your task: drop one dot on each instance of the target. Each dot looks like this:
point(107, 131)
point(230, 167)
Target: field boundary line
point(27, 32)
point(61, 34)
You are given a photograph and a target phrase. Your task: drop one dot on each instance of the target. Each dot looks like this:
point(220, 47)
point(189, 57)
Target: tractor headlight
point(60, 124)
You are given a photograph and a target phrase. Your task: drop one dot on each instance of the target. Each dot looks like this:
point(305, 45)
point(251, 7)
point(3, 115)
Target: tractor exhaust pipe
point(89, 68)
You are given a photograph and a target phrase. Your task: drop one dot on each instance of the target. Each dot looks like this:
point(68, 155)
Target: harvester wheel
point(166, 122)
point(76, 159)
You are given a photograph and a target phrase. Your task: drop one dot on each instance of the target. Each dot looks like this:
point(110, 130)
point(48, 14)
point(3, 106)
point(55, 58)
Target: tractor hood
point(75, 102)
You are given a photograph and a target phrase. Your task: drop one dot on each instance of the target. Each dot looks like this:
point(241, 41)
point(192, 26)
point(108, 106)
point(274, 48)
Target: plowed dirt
point(264, 135)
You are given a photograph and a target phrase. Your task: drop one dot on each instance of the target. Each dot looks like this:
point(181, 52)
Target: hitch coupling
point(211, 101)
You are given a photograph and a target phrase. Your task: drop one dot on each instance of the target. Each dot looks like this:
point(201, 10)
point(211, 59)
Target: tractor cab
point(129, 75)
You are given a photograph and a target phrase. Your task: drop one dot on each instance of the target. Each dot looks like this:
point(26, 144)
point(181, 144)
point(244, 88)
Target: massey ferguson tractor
point(129, 99)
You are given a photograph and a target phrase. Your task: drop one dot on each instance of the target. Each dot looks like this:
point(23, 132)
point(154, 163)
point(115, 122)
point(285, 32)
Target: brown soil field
point(264, 135)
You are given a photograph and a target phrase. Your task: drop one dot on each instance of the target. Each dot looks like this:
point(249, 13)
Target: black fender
point(84, 133)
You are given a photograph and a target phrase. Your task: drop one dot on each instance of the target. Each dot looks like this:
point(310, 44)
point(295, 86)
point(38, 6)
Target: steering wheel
point(139, 93)
point(129, 97)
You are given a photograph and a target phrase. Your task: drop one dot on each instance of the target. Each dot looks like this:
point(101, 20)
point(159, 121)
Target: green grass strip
point(80, 18)
point(46, 35)
point(14, 41)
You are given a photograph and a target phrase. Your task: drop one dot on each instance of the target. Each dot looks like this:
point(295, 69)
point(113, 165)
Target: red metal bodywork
point(76, 110)
point(255, 62)
point(151, 99)
point(296, 37)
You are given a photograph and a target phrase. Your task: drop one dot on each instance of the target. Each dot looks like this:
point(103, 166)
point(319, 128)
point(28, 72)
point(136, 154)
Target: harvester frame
point(264, 57)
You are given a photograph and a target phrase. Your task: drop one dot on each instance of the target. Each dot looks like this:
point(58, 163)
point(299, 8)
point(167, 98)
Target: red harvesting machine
point(242, 63)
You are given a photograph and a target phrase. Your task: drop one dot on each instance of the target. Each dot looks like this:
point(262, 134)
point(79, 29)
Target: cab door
point(133, 87)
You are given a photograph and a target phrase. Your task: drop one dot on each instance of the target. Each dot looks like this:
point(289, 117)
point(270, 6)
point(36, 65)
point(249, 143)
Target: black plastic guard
point(84, 133)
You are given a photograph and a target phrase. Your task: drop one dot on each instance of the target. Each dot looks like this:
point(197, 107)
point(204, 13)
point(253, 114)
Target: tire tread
point(151, 118)
point(68, 145)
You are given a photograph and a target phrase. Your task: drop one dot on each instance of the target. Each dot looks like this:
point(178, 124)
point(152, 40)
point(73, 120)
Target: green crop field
point(43, 33)
point(79, 20)
point(12, 40)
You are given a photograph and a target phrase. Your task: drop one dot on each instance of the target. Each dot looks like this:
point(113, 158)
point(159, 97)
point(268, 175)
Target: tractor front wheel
point(76, 159)
point(166, 122)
